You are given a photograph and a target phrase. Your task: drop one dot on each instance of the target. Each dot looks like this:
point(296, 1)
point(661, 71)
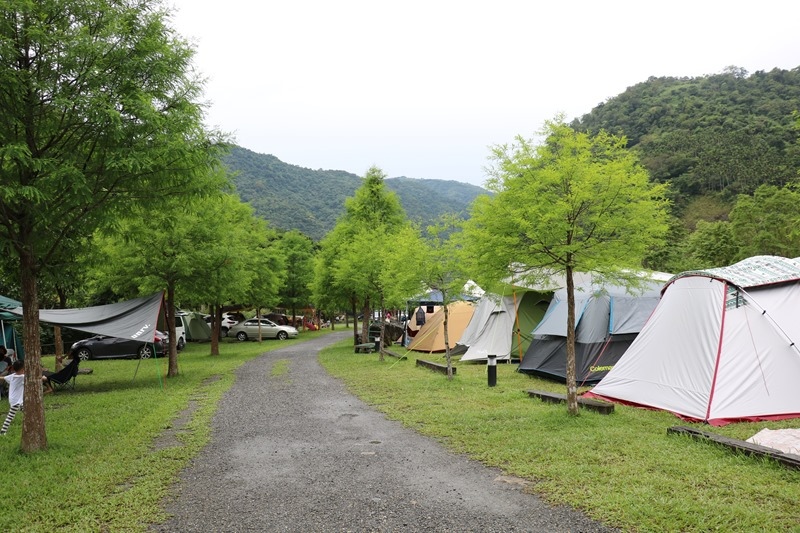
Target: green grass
point(622, 469)
point(118, 441)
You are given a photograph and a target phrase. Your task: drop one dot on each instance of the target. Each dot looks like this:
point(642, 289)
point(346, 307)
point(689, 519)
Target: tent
point(501, 325)
point(430, 337)
point(430, 303)
point(197, 329)
point(8, 335)
point(607, 319)
point(720, 347)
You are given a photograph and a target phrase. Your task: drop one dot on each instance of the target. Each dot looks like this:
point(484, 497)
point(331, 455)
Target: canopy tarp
point(132, 319)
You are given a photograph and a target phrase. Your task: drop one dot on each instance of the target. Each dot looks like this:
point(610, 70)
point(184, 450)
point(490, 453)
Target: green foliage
point(293, 197)
point(97, 113)
point(366, 258)
point(711, 245)
point(767, 222)
point(574, 202)
point(728, 132)
point(299, 252)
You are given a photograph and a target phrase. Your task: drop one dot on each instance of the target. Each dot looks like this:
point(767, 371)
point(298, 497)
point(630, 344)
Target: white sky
point(423, 88)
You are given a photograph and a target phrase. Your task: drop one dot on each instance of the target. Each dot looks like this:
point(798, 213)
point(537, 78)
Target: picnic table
point(366, 347)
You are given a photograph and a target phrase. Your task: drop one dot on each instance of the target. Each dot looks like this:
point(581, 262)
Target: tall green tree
point(326, 292)
point(98, 111)
point(299, 256)
point(353, 258)
point(158, 250)
point(268, 266)
point(226, 263)
point(572, 203)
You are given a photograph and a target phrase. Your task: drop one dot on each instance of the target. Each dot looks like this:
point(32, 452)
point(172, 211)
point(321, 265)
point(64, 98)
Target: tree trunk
point(216, 320)
point(447, 341)
point(366, 313)
point(355, 322)
point(57, 338)
point(382, 316)
point(572, 389)
point(34, 436)
point(172, 369)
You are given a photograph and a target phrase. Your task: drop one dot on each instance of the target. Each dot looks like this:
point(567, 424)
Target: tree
point(443, 269)
point(767, 222)
point(573, 203)
point(159, 250)
point(299, 255)
point(326, 291)
point(712, 244)
point(352, 258)
point(268, 266)
point(225, 262)
point(97, 112)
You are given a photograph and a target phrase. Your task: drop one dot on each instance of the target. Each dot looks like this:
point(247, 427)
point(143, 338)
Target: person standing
point(16, 389)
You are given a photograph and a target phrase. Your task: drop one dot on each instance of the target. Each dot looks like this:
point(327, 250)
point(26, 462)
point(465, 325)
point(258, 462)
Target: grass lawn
point(117, 442)
point(622, 469)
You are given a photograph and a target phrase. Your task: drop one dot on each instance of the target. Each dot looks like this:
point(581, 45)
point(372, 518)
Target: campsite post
point(491, 368)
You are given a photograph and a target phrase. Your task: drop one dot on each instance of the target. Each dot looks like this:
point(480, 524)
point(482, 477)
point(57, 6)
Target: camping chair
point(64, 378)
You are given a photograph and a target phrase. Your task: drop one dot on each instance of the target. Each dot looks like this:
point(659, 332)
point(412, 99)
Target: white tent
point(720, 346)
point(501, 325)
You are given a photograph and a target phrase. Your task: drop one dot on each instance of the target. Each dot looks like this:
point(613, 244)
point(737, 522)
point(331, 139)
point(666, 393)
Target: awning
point(132, 319)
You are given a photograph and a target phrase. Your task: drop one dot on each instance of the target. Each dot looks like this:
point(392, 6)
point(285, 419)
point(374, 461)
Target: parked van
point(180, 331)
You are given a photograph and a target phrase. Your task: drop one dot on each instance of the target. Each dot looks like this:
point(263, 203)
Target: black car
point(102, 347)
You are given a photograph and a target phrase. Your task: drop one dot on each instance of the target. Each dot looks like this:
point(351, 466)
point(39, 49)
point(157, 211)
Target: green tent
point(8, 335)
point(197, 329)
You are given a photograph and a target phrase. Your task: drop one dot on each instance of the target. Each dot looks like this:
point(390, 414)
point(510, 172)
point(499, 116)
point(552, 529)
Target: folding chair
point(64, 378)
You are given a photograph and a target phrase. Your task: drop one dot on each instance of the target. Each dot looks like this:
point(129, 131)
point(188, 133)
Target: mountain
point(293, 197)
point(723, 134)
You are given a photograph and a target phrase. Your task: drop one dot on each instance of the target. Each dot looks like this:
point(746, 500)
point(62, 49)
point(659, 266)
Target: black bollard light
point(491, 368)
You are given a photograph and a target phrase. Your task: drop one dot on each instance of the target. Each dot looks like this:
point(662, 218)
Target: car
point(228, 321)
point(104, 347)
point(249, 330)
point(180, 330)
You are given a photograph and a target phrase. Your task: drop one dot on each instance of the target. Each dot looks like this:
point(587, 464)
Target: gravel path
point(297, 452)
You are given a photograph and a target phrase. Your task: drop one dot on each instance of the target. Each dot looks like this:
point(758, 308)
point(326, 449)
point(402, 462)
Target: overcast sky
point(423, 88)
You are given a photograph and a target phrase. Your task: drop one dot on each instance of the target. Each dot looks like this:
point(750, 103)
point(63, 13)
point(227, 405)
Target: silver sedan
point(249, 329)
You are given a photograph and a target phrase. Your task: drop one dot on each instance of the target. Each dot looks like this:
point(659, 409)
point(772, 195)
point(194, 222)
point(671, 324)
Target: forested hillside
point(293, 197)
point(726, 133)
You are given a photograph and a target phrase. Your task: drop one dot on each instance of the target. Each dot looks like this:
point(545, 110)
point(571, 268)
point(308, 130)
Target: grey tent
point(132, 319)
point(607, 319)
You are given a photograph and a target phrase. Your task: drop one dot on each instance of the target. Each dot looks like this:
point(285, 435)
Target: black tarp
point(132, 319)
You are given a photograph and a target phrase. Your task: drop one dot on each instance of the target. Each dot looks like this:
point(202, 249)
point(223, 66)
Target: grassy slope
point(622, 469)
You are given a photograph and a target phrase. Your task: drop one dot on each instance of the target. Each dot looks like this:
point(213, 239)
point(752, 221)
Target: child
point(16, 387)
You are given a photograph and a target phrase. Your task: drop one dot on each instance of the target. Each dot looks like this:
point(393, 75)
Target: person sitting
point(5, 361)
point(62, 376)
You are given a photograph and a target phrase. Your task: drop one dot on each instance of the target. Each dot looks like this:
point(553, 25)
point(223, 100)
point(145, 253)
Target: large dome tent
point(721, 346)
